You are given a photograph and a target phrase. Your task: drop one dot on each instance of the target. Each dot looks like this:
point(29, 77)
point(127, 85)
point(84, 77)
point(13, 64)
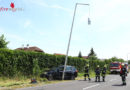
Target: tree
point(92, 53)
point(115, 59)
point(3, 42)
point(36, 68)
point(80, 55)
point(128, 61)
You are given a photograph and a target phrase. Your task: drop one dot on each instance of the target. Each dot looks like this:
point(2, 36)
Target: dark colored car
point(56, 73)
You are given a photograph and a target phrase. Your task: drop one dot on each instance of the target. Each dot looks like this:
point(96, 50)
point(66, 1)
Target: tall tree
point(128, 61)
point(80, 55)
point(92, 53)
point(36, 68)
point(3, 42)
point(114, 59)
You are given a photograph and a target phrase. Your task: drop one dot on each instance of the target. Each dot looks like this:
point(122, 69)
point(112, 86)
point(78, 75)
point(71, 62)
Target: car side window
point(68, 68)
point(74, 69)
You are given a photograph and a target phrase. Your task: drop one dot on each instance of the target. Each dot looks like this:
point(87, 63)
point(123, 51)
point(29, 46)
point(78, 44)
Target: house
point(85, 57)
point(59, 54)
point(34, 48)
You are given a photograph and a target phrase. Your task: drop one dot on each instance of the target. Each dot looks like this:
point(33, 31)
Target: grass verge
point(21, 82)
point(12, 84)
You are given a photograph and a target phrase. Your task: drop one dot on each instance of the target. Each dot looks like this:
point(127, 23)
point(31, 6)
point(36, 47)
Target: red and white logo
point(12, 5)
point(13, 9)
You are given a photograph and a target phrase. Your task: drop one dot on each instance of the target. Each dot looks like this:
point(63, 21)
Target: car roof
point(66, 66)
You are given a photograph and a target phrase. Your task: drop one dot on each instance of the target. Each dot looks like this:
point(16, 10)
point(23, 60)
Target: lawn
point(20, 82)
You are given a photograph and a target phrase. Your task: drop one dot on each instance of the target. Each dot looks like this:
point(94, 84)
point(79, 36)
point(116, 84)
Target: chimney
point(22, 46)
point(27, 45)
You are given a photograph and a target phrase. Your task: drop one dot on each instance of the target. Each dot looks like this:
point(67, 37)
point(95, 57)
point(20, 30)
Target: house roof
point(34, 48)
point(86, 57)
point(58, 54)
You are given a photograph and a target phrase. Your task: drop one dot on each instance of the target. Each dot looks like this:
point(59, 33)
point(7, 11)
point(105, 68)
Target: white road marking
point(112, 80)
point(91, 86)
point(60, 83)
point(128, 74)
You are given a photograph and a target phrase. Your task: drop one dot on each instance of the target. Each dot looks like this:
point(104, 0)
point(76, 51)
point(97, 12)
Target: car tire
point(50, 77)
point(76, 74)
point(72, 77)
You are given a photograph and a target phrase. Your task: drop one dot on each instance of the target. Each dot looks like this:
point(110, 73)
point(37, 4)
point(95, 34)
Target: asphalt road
point(113, 82)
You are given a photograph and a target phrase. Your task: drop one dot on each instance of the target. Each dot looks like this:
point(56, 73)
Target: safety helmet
point(123, 64)
point(87, 65)
point(97, 65)
point(105, 65)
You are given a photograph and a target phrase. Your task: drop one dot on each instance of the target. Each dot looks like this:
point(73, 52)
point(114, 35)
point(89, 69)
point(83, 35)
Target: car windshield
point(67, 68)
point(114, 64)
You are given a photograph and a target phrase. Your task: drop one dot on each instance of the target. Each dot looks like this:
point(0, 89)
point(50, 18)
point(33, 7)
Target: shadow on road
point(117, 85)
point(92, 81)
point(81, 80)
point(85, 81)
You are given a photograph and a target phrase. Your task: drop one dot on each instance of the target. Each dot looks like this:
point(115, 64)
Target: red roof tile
point(31, 49)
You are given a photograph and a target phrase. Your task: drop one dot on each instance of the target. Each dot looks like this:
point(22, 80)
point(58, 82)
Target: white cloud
point(1, 30)
point(108, 15)
point(44, 4)
point(14, 37)
point(27, 23)
point(84, 18)
point(109, 7)
point(38, 2)
point(62, 8)
point(123, 50)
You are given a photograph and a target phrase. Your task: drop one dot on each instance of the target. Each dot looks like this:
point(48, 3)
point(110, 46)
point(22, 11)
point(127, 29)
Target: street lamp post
point(127, 56)
point(66, 58)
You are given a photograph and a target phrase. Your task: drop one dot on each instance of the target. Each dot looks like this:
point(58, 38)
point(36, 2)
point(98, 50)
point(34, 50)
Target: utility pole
point(66, 58)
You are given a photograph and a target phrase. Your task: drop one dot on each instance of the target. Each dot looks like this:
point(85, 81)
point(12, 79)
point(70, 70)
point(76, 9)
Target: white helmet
point(122, 64)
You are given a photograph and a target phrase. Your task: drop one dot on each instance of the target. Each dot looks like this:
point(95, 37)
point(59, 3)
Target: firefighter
point(97, 72)
point(103, 73)
point(86, 72)
point(123, 74)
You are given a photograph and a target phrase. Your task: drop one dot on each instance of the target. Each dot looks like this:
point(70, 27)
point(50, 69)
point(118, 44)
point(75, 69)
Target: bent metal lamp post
point(89, 22)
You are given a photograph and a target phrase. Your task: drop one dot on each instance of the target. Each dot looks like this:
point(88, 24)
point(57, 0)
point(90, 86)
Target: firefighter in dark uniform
point(103, 72)
point(97, 72)
point(123, 74)
point(86, 72)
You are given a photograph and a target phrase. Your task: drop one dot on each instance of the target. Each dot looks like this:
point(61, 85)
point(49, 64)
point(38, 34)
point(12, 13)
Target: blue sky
point(46, 24)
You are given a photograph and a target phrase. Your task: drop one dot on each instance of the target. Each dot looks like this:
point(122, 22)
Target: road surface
point(113, 82)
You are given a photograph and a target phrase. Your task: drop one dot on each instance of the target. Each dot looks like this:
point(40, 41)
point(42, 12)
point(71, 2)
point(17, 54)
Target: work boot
point(95, 80)
point(89, 79)
point(124, 83)
point(103, 80)
point(84, 79)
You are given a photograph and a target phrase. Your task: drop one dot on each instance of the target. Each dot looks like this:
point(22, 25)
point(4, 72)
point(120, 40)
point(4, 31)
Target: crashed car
point(56, 73)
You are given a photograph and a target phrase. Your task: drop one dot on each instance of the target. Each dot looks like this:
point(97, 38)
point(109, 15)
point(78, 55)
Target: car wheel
point(72, 77)
point(50, 77)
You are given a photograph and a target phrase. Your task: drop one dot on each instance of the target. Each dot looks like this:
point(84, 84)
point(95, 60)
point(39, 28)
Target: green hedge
point(13, 62)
